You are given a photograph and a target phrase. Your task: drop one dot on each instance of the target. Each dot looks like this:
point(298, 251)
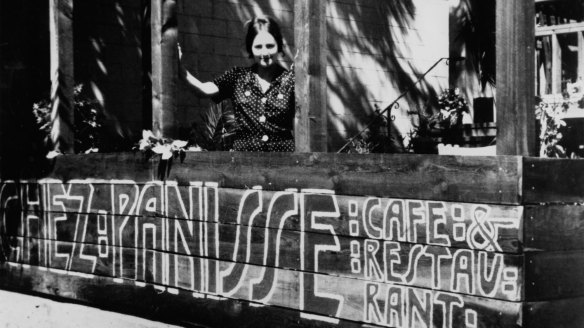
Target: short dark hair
point(263, 23)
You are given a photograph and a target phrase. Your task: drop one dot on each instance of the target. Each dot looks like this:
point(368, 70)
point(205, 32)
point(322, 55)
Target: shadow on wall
point(107, 44)
point(475, 38)
point(473, 25)
point(24, 75)
point(375, 30)
point(112, 60)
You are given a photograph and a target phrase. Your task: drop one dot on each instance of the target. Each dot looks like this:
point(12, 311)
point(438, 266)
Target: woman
point(262, 95)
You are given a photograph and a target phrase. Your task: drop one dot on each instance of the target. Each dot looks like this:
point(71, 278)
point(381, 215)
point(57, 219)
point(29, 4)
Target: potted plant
point(445, 126)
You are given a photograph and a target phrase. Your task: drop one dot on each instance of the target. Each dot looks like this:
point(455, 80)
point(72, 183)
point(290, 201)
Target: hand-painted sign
point(386, 261)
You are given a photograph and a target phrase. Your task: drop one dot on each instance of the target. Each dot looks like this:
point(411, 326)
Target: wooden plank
point(214, 311)
point(580, 36)
point(494, 228)
point(552, 181)
point(183, 308)
point(481, 179)
point(554, 275)
point(310, 71)
point(563, 313)
point(553, 227)
point(4, 91)
point(494, 180)
point(323, 295)
point(404, 220)
point(62, 76)
point(559, 29)
point(132, 166)
point(165, 118)
point(515, 78)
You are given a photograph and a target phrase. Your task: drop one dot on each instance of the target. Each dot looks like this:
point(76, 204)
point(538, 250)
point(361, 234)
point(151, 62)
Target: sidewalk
point(24, 311)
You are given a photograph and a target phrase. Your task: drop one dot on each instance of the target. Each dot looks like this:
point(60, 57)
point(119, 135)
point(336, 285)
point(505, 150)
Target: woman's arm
point(203, 89)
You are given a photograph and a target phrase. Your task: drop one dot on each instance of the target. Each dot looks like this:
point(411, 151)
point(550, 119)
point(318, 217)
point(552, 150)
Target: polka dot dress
point(265, 120)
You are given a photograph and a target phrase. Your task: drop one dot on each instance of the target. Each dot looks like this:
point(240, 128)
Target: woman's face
point(264, 49)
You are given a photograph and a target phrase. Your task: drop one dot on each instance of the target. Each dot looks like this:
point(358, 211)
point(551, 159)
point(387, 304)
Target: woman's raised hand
point(204, 89)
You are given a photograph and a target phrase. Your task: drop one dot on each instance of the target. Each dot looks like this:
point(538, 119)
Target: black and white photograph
point(292, 163)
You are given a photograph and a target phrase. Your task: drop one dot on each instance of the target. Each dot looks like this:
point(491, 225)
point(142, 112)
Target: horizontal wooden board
point(382, 304)
point(122, 166)
point(548, 180)
point(565, 313)
point(553, 227)
point(486, 227)
point(494, 180)
point(461, 225)
point(554, 275)
point(484, 179)
point(182, 309)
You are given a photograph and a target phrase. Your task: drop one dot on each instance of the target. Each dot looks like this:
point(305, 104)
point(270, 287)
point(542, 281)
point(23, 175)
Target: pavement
point(25, 311)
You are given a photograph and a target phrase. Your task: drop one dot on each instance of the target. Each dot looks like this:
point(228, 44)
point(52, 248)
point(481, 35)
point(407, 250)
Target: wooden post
point(515, 76)
point(556, 65)
point(3, 88)
point(580, 56)
point(164, 68)
point(146, 48)
point(310, 65)
point(62, 76)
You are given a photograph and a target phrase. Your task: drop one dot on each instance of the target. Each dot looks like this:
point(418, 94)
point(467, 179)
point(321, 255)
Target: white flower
point(53, 153)
point(179, 144)
point(164, 150)
point(167, 154)
point(195, 148)
point(147, 134)
point(160, 149)
point(144, 145)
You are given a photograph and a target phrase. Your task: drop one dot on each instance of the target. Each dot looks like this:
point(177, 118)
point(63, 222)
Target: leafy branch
point(550, 122)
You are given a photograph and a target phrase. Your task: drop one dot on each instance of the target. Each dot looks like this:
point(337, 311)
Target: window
point(560, 51)
point(560, 65)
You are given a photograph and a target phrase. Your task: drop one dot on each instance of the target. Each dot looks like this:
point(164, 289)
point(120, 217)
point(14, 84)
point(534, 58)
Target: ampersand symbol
point(482, 234)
